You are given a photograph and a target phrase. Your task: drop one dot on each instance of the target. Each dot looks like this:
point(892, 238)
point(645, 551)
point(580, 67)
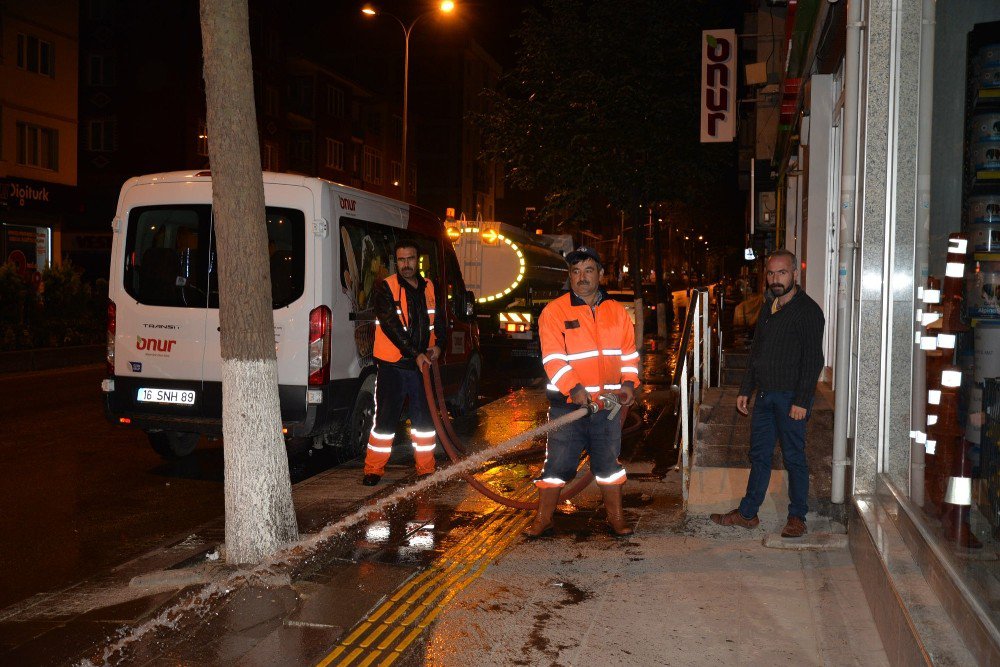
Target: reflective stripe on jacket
point(385, 349)
point(593, 348)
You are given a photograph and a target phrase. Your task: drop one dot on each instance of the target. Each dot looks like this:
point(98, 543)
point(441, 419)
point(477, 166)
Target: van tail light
point(319, 345)
point(112, 327)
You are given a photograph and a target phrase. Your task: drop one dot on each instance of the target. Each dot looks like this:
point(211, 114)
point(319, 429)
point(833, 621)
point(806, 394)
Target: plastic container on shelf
point(985, 127)
point(982, 290)
point(989, 55)
point(974, 418)
point(987, 355)
point(985, 156)
point(987, 66)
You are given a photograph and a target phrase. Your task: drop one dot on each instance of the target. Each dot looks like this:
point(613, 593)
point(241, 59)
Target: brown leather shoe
point(795, 527)
point(734, 518)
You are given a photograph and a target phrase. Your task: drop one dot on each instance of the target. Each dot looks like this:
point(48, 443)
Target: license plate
point(174, 396)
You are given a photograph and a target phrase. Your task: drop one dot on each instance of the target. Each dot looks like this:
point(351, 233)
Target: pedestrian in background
point(406, 340)
point(784, 367)
point(588, 348)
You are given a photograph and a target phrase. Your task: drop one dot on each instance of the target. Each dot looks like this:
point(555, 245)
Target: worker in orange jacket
point(588, 348)
point(407, 339)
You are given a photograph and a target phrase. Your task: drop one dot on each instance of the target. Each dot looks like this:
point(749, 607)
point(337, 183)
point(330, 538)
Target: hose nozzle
point(608, 401)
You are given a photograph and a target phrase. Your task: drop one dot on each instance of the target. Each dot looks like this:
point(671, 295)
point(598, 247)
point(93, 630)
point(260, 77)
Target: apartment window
point(335, 101)
point(302, 150)
point(101, 71)
point(203, 138)
point(271, 101)
point(270, 156)
point(37, 146)
point(300, 95)
point(373, 165)
point(35, 55)
point(375, 123)
point(272, 44)
point(102, 135)
point(397, 129)
point(334, 154)
point(99, 10)
point(397, 172)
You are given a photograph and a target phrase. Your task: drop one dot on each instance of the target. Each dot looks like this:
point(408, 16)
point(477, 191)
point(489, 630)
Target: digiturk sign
point(718, 85)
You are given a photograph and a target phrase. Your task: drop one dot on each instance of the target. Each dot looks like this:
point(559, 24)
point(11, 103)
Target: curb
point(39, 359)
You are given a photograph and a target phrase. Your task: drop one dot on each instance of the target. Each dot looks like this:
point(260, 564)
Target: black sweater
point(414, 337)
point(787, 352)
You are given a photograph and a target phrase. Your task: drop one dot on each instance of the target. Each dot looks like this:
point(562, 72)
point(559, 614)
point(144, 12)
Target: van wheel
point(467, 400)
point(355, 433)
point(173, 445)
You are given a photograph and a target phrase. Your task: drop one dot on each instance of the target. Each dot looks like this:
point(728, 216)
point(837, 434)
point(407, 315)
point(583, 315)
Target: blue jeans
point(770, 422)
point(595, 434)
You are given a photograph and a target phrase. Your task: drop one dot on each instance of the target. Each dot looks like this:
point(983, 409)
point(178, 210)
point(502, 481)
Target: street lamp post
point(445, 7)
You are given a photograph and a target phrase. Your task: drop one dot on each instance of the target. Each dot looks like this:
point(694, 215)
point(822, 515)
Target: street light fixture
point(446, 7)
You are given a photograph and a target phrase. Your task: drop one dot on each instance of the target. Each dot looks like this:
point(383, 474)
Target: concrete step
point(735, 358)
point(732, 377)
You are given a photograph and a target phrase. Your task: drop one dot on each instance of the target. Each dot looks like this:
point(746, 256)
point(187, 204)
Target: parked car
point(627, 299)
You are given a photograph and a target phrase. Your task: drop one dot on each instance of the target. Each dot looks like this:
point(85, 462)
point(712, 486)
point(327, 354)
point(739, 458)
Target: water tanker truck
point(513, 277)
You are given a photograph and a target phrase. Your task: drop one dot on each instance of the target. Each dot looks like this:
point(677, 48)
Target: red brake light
point(112, 327)
point(319, 345)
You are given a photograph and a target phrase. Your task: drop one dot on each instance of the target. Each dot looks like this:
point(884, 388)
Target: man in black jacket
point(407, 338)
point(785, 363)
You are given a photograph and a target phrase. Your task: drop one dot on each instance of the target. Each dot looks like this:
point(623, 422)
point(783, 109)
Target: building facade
point(886, 166)
point(38, 130)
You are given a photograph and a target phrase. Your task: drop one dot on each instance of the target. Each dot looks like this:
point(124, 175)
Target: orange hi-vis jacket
point(594, 348)
point(385, 349)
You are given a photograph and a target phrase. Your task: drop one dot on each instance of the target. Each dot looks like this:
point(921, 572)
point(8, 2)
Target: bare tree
point(259, 512)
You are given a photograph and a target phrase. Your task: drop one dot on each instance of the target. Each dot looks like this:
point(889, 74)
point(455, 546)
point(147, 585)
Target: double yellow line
point(385, 634)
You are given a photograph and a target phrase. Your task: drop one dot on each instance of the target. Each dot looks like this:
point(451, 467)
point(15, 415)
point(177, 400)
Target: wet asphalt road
point(81, 495)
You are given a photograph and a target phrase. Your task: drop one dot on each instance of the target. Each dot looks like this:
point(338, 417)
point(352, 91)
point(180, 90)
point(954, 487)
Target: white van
point(329, 245)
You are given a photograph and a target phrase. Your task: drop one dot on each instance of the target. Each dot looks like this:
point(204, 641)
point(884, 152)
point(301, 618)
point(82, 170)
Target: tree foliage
point(603, 105)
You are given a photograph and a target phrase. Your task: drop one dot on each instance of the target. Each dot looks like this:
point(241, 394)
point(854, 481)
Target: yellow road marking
point(420, 600)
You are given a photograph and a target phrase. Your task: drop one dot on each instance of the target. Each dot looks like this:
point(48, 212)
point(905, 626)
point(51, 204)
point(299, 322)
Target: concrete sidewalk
point(682, 591)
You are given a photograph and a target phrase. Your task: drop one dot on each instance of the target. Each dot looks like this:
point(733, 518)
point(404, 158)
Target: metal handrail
point(692, 374)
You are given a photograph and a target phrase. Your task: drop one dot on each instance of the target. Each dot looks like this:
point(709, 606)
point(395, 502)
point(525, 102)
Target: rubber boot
point(542, 525)
point(612, 494)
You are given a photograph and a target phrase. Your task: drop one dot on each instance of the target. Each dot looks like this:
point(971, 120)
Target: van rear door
point(160, 338)
point(290, 251)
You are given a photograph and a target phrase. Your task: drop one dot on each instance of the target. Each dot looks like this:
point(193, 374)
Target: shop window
point(37, 146)
point(35, 55)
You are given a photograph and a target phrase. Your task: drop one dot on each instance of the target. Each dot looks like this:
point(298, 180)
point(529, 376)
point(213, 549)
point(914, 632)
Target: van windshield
point(170, 256)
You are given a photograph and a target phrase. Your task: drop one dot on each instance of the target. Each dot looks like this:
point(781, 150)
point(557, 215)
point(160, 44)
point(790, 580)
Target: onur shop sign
point(718, 85)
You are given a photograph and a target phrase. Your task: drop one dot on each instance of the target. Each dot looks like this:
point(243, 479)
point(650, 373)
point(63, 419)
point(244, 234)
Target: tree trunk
point(637, 274)
point(260, 517)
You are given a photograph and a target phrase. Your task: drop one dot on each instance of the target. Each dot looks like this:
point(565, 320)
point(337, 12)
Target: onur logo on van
point(154, 344)
point(346, 203)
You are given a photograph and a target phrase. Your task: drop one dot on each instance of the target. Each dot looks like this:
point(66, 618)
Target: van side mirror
point(470, 304)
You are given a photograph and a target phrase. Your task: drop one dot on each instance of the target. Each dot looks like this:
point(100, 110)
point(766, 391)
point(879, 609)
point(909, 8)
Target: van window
point(170, 257)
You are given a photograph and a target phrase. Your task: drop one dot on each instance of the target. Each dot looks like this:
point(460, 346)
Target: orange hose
point(451, 443)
